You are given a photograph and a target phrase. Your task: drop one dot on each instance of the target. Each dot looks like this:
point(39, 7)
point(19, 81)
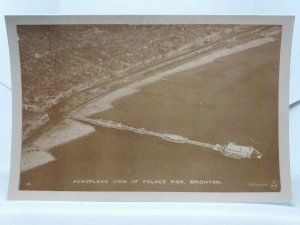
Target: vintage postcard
point(150, 108)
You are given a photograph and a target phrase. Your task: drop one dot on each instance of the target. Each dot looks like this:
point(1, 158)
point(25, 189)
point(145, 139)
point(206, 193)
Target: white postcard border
point(283, 196)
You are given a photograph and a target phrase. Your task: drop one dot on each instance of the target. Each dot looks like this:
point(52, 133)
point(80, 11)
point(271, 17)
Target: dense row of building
point(60, 60)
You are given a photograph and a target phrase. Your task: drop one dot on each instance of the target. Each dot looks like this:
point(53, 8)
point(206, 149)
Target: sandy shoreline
point(106, 102)
point(37, 154)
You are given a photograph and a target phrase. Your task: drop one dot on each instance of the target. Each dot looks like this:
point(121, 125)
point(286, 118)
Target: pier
point(230, 150)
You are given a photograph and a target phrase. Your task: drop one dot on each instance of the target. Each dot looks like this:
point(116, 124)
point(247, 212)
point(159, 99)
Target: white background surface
point(147, 213)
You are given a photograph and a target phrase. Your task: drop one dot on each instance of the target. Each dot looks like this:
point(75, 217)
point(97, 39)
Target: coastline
point(70, 130)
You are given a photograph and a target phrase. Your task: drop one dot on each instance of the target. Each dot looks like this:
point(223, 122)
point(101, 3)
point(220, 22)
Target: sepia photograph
point(132, 107)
